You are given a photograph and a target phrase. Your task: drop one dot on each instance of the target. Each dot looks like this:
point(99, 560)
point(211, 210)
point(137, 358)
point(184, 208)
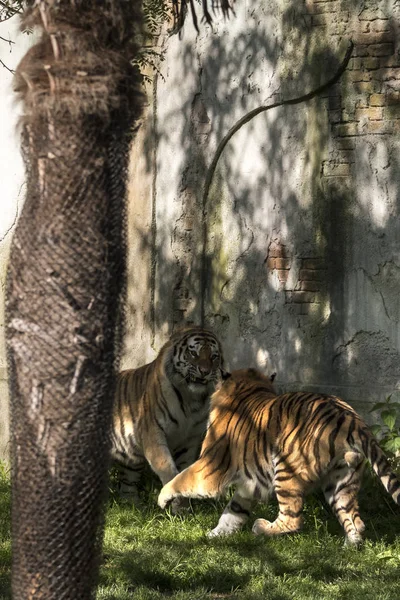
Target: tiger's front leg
point(160, 458)
point(200, 480)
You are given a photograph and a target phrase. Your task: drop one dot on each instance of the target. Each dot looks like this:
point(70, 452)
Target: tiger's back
point(161, 409)
point(286, 444)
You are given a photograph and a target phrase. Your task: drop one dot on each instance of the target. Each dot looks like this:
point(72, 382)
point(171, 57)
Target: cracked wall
point(12, 188)
point(300, 234)
point(295, 258)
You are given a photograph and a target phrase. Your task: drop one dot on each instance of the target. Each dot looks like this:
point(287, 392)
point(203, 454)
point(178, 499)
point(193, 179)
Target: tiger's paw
point(221, 532)
point(179, 505)
point(163, 499)
point(262, 527)
point(353, 540)
point(130, 497)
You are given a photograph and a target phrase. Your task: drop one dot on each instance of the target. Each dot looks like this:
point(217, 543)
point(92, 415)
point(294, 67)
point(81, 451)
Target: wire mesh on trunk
point(65, 278)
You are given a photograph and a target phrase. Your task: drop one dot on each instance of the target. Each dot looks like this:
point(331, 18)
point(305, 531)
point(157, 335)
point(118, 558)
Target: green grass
point(5, 534)
point(150, 555)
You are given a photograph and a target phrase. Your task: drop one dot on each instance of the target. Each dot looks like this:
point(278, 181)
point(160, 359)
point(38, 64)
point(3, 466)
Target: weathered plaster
point(302, 226)
point(12, 188)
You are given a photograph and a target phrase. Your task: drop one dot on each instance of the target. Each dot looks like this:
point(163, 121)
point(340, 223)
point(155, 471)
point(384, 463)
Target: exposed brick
point(305, 309)
point(345, 129)
point(377, 100)
point(345, 144)
point(359, 76)
point(336, 169)
point(277, 250)
point(310, 286)
point(393, 97)
point(188, 223)
point(283, 276)
point(370, 14)
point(311, 274)
point(385, 49)
point(365, 26)
point(344, 156)
point(371, 62)
point(354, 63)
point(313, 263)
point(362, 103)
point(380, 25)
point(278, 263)
point(387, 74)
point(346, 116)
point(299, 296)
point(282, 263)
point(377, 127)
point(375, 38)
point(335, 116)
point(360, 50)
point(325, 7)
point(392, 112)
point(390, 61)
point(368, 87)
point(373, 114)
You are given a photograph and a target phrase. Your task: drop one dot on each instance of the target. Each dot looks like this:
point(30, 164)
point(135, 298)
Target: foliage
point(388, 430)
point(155, 14)
point(5, 531)
point(10, 8)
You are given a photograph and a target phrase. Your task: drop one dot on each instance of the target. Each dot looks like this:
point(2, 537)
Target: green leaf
point(376, 429)
point(378, 406)
point(393, 445)
point(389, 418)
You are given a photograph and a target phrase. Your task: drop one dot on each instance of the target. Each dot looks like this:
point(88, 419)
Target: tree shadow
point(300, 257)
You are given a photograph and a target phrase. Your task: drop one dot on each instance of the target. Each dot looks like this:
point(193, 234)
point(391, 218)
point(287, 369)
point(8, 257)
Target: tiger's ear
point(224, 376)
point(272, 377)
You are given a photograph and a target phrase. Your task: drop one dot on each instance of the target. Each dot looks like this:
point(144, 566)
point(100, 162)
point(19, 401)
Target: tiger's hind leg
point(235, 514)
point(290, 496)
point(129, 478)
point(340, 489)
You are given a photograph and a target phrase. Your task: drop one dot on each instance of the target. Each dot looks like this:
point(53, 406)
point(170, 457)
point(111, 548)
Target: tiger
point(289, 444)
point(161, 409)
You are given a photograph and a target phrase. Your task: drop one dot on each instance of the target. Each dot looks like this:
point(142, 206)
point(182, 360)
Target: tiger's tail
point(380, 463)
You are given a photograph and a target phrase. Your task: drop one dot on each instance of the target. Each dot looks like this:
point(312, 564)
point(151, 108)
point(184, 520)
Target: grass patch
point(5, 532)
point(150, 555)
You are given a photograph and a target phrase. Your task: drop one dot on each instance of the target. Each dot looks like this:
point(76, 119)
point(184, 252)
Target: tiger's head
point(197, 356)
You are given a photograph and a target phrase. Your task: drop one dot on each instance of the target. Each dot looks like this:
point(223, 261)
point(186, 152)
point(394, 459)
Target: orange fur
point(287, 444)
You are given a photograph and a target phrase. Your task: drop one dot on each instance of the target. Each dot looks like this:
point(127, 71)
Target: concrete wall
point(300, 234)
point(12, 186)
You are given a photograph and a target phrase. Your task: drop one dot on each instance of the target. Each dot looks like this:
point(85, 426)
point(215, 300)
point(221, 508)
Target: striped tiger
point(161, 409)
point(288, 444)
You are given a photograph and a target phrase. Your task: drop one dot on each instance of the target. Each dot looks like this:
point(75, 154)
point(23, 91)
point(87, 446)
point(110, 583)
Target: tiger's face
point(197, 358)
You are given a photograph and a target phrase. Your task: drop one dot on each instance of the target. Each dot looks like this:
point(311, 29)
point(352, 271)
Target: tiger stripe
point(287, 444)
point(161, 409)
